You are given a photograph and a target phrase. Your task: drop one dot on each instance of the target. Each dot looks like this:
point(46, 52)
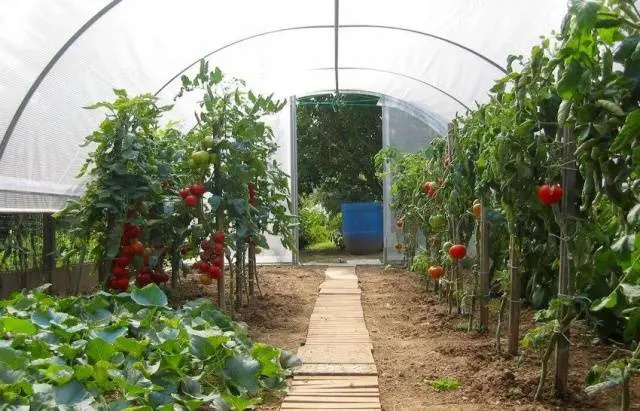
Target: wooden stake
point(514, 295)
point(484, 267)
point(564, 278)
point(239, 274)
point(48, 246)
point(251, 275)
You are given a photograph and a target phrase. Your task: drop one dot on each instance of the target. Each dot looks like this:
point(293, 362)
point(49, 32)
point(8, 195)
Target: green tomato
point(207, 143)
point(200, 158)
point(258, 250)
point(437, 222)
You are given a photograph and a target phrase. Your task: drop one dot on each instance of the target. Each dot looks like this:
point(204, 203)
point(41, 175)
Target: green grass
point(325, 246)
point(445, 384)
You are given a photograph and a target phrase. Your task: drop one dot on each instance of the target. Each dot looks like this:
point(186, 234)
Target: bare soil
point(416, 340)
point(281, 316)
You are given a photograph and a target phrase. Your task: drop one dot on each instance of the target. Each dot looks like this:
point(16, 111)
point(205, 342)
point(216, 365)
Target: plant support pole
point(564, 277)
point(484, 266)
point(294, 180)
point(48, 247)
point(514, 295)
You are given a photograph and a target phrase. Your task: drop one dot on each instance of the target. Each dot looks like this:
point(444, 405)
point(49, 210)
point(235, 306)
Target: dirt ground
point(416, 340)
point(281, 316)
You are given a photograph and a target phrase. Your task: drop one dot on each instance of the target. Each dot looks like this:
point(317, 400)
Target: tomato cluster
point(211, 264)
point(130, 246)
point(252, 194)
point(550, 194)
point(190, 195)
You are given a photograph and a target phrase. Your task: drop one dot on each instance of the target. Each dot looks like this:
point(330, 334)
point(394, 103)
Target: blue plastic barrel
point(362, 227)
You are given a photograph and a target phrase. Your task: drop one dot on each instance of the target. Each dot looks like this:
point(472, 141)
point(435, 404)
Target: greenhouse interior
point(326, 204)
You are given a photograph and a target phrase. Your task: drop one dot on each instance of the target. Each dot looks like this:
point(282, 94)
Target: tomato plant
point(231, 151)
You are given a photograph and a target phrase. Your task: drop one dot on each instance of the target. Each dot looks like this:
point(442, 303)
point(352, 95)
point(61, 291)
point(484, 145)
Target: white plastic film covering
point(408, 132)
point(437, 56)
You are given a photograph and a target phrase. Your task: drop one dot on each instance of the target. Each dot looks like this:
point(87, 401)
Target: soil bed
point(416, 340)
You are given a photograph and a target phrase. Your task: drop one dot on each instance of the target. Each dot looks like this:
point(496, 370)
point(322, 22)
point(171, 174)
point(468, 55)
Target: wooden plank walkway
point(338, 371)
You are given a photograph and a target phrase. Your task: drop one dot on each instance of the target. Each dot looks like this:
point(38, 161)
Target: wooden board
point(334, 354)
point(338, 370)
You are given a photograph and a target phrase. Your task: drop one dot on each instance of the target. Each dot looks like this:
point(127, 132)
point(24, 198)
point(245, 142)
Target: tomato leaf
point(631, 291)
point(633, 217)
point(630, 130)
point(609, 301)
point(611, 107)
point(624, 244)
point(563, 112)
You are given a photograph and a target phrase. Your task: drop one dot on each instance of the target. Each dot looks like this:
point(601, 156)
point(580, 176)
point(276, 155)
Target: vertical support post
point(484, 266)
point(294, 179)
point(514, 295)
point(388, 227)
point(455, 234)
point(48, 247)
point(564, 277)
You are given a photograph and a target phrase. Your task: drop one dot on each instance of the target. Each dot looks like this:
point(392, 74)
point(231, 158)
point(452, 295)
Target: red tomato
point(123, 260)
point(132, 231)
point(435, 272)
point(119, 272)
point(204, 244)
point(429, 188)
point(127, 250)
point(184, 250)
point(191, 200)
point(549, 195)
point(120, 284)
point(198, 189)
point(457, 251)
point(556, 193)
point(137, 247)
point(218, 237)
point(204, 267)
point(218, 262)
point(218, 249)
point(143, 278)
point(185, 192)
point(159, 277)
point(215, 272)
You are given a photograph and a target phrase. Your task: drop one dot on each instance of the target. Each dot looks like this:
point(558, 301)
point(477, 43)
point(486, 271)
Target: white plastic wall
point(408, 131)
